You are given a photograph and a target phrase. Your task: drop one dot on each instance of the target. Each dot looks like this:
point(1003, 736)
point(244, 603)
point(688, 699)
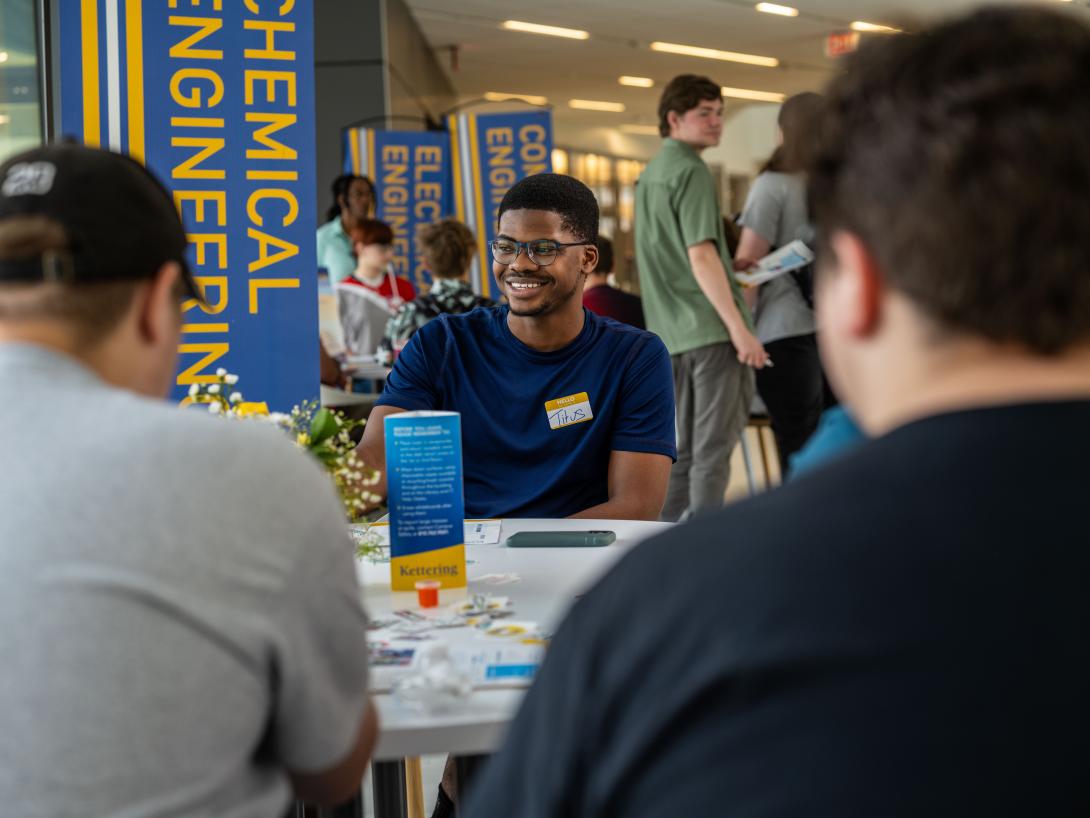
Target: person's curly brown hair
point(958, 155)
point(447, 246)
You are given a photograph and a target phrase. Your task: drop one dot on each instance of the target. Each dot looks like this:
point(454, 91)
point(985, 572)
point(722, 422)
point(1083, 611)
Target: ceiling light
point(4, 119)
point(860, 25)
point(636, 82)
point(3, 56)
point(595, 105)
point(758, 96)
point(714, 54)
point(497, 96)
point(772, 8)
point(642, 130)
point(552, 31)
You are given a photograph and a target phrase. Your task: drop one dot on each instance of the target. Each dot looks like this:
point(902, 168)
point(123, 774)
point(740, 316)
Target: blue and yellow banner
point(217, 99)
point(490, 153)
point(411, 172)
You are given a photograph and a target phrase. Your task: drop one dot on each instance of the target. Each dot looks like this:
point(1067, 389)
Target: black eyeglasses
point(541, 252)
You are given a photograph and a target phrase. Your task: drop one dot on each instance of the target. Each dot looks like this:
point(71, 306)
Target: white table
point(551, 578)
point(365, 367)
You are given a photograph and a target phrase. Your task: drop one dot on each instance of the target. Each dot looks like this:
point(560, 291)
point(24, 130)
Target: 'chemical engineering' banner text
point(412, 176)
point(490, 153)
point(217, 99)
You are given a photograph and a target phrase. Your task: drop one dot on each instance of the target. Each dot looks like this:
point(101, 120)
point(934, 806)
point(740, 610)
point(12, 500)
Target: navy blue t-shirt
point(538, 427)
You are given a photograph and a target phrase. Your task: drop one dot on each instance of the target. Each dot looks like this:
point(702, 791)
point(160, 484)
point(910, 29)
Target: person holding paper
point(775, 214)
point(564, 413)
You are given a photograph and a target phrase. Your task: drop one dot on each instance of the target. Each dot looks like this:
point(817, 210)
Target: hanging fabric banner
point(490, 153)
point(412, 176)
point(218, 101)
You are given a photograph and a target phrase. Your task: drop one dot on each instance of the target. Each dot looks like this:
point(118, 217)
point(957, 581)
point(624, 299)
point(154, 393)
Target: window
point(20, 103)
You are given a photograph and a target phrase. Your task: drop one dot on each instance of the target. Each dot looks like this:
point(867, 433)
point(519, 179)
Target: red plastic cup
point(427, 593)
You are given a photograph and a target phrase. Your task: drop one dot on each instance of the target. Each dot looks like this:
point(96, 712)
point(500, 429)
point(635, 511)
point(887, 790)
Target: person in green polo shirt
point(690, 297)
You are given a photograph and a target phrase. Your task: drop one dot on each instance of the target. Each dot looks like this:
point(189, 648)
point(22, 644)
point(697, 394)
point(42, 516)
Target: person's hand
point(750, 351)
point(742, 264)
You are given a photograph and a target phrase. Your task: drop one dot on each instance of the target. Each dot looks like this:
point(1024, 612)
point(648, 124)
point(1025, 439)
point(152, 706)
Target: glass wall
point(613, 181)
point(20, 103)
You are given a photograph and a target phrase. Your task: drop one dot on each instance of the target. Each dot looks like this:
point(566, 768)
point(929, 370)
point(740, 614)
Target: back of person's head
point(340, 189)
point(605, 256)
point(556, 193)
point(958, 157)
point(371, 231)
point(797, 119)
point(80, 230)
point(683, 93)
point(447, 246)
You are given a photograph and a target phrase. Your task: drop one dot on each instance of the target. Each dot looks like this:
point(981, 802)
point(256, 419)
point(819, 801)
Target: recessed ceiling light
point(498, 96)
point(3, 56)
point(772, 8)
point(636, 82)
point(759, 96)
point(642, 130)
point(552, 31)
point(595, 105)
point(715, 54)
point(860, 25)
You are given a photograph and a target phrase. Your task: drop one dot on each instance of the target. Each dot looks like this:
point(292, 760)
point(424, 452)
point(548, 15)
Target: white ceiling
point(493, 59)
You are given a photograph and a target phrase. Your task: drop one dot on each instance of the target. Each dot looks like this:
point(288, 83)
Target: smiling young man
point(564, 413)
point(690, 297)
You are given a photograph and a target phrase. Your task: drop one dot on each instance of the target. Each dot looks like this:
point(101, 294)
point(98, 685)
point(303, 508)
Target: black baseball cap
point(119, 220)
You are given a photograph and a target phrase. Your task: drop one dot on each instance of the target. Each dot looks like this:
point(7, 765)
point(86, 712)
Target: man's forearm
point(711, 277)
point(621, 509)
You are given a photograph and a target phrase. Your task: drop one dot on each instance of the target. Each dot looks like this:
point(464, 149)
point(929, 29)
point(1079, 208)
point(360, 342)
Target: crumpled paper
point(438, 686)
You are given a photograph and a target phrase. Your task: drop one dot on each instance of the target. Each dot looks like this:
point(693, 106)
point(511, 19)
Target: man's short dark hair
point(682, 94)
point(605, 255)
point(563, 195)
point(958, 155)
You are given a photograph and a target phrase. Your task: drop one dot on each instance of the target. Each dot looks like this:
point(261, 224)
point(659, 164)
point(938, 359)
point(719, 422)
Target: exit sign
point(840, 43)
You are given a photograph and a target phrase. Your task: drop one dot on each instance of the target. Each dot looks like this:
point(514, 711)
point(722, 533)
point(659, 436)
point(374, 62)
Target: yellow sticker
point(566, 411)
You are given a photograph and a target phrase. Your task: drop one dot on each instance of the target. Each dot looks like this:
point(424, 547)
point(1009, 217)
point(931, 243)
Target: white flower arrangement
point(325, 433)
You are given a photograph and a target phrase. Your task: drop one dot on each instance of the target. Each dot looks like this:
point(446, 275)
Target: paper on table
point(789, 257)
point(477, 532)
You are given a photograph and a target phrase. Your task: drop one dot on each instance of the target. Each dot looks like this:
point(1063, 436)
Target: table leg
point(388, 783)
point(465, 769)
point(352, 808)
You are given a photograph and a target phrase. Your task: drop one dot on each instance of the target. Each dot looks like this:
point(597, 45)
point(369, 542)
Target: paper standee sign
point(217, 98)
point(411, 172)
point(424, 480)
point(490, 152)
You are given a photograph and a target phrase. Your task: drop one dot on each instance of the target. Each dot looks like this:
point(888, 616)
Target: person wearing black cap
point(180, 637)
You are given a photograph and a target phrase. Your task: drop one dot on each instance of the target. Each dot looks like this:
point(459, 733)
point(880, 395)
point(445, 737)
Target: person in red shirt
point(601, 298)
point(373, 244)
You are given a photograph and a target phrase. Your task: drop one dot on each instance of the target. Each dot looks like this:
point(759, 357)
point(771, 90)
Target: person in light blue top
point(353, 202)
point(837, 433)
point(564, 413)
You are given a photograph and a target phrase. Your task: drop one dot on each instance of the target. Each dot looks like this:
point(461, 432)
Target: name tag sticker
point(567, 411)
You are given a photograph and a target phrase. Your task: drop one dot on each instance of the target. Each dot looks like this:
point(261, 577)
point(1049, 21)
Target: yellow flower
point(252, 408)
point(302, 438)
